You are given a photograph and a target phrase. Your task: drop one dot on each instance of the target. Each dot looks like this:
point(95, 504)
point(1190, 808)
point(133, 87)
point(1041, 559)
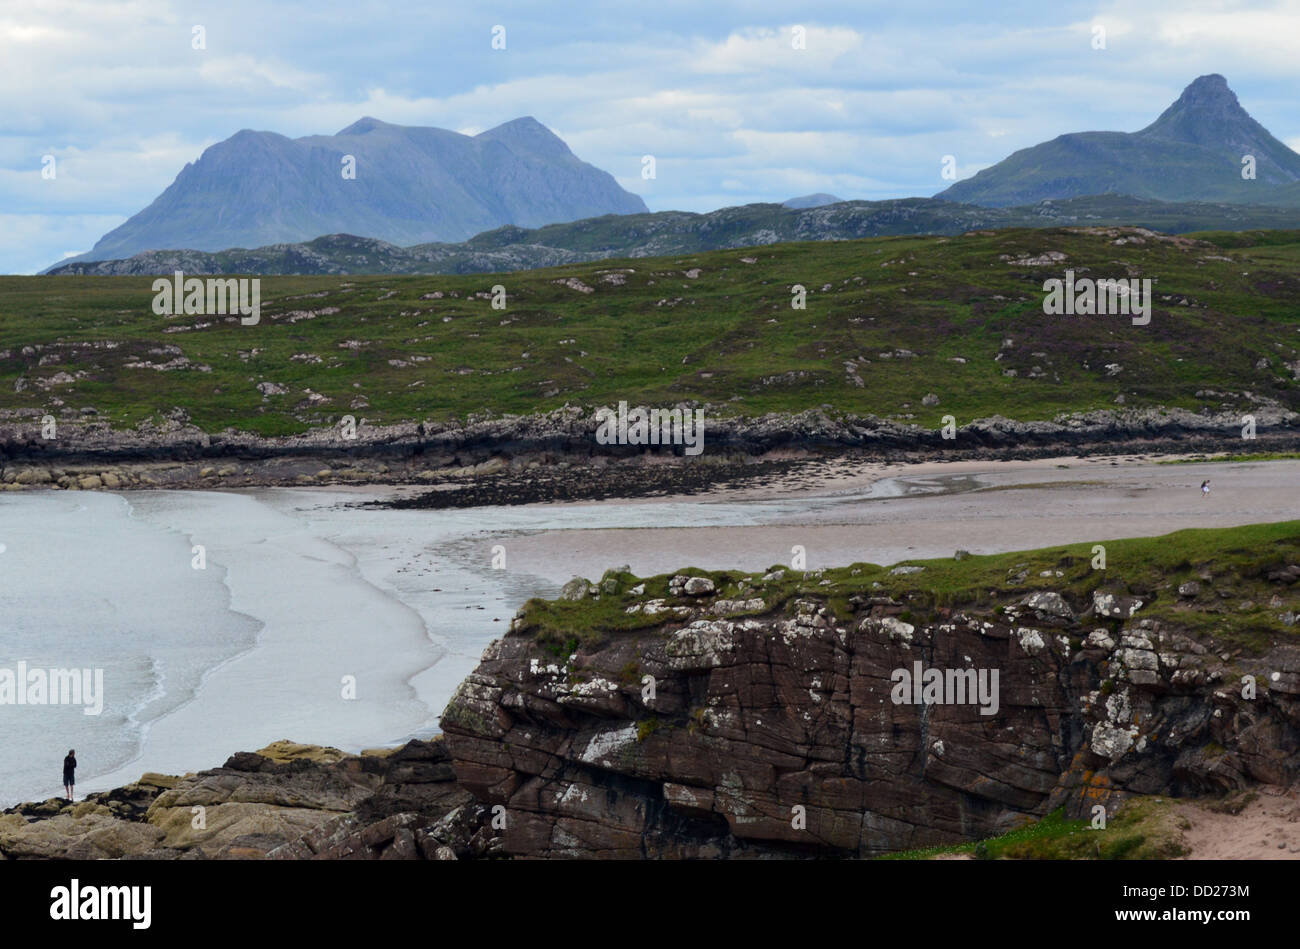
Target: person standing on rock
point(70, 772)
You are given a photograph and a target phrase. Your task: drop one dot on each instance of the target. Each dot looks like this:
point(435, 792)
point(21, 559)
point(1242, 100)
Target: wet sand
point(935, 510)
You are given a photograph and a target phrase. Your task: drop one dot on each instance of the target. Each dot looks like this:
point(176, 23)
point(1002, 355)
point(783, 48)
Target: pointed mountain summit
point(1192, 152)
point(412, 185)
point(1203, 114)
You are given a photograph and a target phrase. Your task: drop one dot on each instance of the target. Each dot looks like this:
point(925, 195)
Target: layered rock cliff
point(737, 716)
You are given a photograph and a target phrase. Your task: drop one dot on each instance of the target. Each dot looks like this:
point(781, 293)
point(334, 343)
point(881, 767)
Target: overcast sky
point(714, 90)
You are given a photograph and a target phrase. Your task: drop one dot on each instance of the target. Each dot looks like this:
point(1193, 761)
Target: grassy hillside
point(888, 321)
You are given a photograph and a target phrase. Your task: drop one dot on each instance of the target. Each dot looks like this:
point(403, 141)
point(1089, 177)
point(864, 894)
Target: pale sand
point(1268, 828)
point(992, 507)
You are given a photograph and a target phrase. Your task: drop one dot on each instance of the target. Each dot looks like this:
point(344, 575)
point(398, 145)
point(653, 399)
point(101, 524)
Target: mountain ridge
point(412, 184)
point(513, 248)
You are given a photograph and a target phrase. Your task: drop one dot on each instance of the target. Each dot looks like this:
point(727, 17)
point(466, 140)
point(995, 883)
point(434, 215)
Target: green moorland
point(887, 321)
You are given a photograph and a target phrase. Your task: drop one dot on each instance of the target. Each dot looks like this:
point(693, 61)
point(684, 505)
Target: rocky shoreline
point(556, 457)
point(724, 715)
point(287, 801)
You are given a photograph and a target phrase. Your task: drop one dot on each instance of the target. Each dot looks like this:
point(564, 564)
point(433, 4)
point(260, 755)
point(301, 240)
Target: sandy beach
point(890, 513)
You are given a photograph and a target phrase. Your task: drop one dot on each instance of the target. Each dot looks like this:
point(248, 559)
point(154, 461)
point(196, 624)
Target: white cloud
point(762, 49)
point(31, 242)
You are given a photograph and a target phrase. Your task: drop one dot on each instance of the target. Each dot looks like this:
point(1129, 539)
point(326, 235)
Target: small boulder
point(576, 589)
point(691, 586)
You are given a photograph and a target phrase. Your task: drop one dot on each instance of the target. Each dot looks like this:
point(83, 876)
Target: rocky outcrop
point(287, 801)
point(770, 720)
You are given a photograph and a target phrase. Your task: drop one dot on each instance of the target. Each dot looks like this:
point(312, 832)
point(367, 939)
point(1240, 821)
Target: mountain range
point(411, 185)
point(428, 200)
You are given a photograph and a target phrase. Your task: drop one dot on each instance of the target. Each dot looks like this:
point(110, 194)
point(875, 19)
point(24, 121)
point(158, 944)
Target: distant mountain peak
point(1194, 151)
point(412, 184)
point(525, 123)
point(1211, 85)
point(1207, 112)
point(820, 199)
point(365, 124)
point(528, 133)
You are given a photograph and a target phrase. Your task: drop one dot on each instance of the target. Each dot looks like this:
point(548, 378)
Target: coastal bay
point(304, 587)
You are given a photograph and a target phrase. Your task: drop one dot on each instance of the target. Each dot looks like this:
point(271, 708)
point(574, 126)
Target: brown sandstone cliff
point(761, 708)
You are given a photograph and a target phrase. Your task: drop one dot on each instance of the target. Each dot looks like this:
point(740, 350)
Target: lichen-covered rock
point(1050, 604)
point(1113, 605)
point(1100, 639)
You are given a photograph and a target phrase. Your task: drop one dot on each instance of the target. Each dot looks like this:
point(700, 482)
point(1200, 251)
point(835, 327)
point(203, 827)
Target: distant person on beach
point(70, 772)
point(1205, 487)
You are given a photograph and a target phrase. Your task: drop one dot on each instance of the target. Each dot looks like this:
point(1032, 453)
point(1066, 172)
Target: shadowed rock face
point(753, 718)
